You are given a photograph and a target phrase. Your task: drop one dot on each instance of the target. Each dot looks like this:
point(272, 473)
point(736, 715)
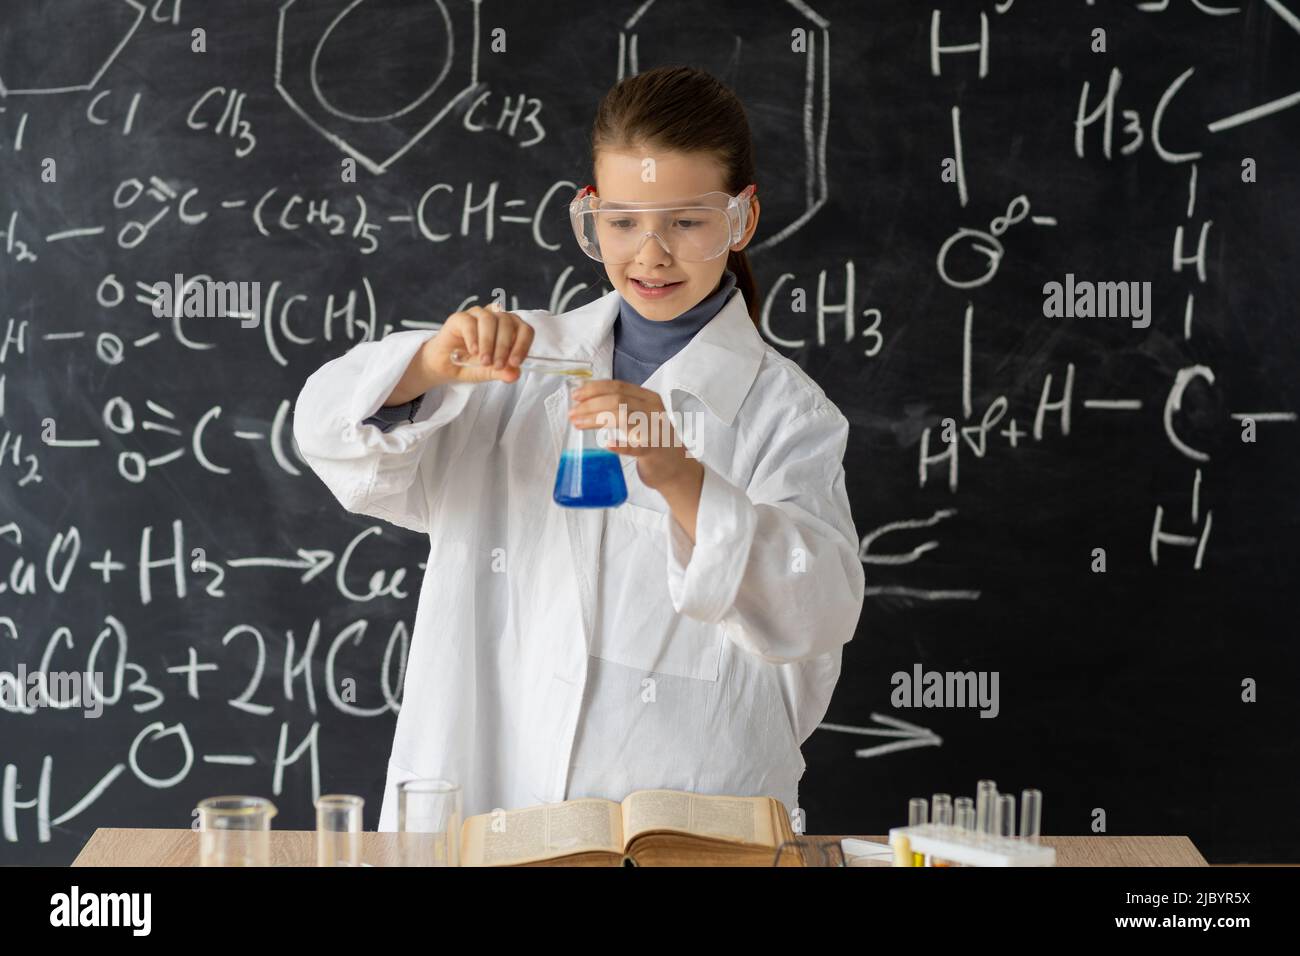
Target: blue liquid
point(592, 478)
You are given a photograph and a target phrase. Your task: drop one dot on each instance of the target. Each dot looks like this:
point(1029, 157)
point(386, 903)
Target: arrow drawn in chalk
point(313, 562)
point(911, 735)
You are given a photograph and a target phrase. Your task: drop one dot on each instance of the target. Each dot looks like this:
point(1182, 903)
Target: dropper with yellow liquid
point(533, 363)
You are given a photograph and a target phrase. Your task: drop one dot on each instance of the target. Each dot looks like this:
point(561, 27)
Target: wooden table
point(113, 846)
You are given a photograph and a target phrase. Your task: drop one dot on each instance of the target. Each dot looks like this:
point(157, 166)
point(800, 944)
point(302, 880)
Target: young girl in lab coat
point(687, 639)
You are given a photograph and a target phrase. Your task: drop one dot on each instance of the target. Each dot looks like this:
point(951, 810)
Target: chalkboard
point(927, 171)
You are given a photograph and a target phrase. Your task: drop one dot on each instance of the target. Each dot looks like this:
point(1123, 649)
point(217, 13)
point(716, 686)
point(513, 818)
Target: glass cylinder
point(941, 813)
point(338, 830)
point(918, 813)
point(1031, 814)
point(963, 813)
point(588, 475)
point(941, 808)
point(1006, 815)
point(986, 801)
point(235, 831)
point(428, 823)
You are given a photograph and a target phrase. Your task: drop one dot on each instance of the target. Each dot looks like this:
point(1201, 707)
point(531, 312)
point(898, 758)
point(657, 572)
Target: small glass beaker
point(588, 476)
point(338, 830)
point(809, 851)
point(235, 831)
point(428, 823)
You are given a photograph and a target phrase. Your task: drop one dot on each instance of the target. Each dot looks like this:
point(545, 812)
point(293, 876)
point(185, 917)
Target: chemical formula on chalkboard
point(1041, 256)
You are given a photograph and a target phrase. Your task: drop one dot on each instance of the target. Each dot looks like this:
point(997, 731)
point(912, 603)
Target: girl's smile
point(650, 292)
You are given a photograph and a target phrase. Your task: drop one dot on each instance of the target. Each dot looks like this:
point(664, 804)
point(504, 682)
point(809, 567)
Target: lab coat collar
point(717, 366)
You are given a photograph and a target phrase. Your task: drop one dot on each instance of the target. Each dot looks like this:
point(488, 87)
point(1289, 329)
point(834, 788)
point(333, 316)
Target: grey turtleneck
point(641, 345)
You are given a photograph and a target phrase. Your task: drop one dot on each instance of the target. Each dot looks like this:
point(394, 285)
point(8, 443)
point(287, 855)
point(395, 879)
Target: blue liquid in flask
point(589, 478)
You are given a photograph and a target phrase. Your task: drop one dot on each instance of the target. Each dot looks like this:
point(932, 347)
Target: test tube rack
point(948, 842)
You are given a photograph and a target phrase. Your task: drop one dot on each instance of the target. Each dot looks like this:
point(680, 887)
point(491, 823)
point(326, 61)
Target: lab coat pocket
point(777, 704)
point(640, 628)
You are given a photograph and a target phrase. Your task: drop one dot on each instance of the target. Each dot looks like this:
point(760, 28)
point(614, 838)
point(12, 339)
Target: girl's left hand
point(650, 437)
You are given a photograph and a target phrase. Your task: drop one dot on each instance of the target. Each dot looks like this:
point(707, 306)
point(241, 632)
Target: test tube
point(963, 809)
point(533, 363)
point(1031, 814)
point(941, 813)
point(941, 808)
point(918, 812)
point(986, 795)
point(903, 855)
point(1006, 816)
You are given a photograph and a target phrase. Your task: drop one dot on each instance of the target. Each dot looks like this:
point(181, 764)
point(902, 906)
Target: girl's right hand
point(497, 339)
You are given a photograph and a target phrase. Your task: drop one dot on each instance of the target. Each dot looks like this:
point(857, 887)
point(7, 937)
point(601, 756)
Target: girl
point(688, 639)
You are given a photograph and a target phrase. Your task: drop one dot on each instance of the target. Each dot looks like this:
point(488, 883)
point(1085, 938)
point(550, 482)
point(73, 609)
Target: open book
point(649, 828)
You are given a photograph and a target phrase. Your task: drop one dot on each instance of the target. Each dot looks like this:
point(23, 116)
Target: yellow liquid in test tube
point(576, 368)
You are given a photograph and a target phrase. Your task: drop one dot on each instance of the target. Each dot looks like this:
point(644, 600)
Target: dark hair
point(684, 109)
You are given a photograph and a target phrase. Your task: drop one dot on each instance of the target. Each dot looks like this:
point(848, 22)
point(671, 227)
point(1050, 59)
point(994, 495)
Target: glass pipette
point(533, 363)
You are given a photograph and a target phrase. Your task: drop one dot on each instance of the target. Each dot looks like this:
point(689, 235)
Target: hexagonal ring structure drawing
point(815, 93)
point(375, 141)
point(114, 39)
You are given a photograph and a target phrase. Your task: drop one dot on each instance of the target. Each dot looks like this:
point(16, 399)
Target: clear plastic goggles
point(694, 230)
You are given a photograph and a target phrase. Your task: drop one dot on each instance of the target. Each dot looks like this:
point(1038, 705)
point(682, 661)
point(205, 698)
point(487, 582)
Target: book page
point(741, 819)
point(553, 829)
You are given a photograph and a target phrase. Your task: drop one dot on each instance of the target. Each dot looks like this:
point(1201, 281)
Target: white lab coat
point(558, 652)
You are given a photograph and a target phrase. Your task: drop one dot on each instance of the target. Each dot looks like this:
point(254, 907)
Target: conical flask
point(589, 476)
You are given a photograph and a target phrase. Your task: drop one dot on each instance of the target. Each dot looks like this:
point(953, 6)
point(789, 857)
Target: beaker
point(588, 476)
point(428, 823)
point(235, 831)
point(338, 830)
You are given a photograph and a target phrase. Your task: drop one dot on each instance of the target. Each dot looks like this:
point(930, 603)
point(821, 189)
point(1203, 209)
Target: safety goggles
point(694, 230)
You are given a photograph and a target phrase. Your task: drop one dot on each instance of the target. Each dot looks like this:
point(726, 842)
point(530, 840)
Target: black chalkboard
point(157, 523)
